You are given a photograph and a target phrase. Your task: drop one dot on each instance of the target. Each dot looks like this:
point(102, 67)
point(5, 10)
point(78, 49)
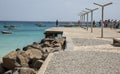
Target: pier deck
point(86, 53)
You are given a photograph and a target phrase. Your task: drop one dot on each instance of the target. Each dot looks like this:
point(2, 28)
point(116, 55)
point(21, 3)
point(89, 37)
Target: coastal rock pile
point(30, 59)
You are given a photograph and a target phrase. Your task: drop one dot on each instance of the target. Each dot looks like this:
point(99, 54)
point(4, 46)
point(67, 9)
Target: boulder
point(9, 61)
point(17, 49)
point(34, 53)
point(37, 64)
point(24, 70)
point(36, 45)
point(2, 70)
point(15, 59)
point(23, 59)
point(27, 48)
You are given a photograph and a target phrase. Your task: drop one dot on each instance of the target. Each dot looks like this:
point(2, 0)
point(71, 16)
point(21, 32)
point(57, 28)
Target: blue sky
point(50, 10)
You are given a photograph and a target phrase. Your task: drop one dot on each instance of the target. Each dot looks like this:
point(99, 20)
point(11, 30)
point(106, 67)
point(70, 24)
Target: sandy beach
point(86, 52)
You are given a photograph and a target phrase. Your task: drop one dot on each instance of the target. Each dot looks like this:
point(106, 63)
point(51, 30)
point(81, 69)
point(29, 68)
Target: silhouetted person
point(94, 24)
point(56, 23)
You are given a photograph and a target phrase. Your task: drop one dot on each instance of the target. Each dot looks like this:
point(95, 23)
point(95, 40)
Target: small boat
point(40, 25)
point(5, 26)
point(6, 32)
point(68, 25)
point(10, 27)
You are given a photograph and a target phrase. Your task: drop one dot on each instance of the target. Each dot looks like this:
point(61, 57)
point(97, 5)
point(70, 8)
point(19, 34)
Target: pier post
point(82, 17)
point(102, 26)
point(91, 10)
point(87, 21)
point(86, 12)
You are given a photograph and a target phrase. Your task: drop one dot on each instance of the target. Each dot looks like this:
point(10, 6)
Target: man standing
point(56, 23)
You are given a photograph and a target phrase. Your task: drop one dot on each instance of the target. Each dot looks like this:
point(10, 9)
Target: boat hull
point(6, 32)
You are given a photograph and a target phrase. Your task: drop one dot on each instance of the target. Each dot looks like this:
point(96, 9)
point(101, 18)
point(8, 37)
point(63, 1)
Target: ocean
point(25, 33)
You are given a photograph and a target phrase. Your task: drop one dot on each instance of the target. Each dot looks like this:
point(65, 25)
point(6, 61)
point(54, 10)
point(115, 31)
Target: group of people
point(79, 23)
point(111, 23)
point(107, 23)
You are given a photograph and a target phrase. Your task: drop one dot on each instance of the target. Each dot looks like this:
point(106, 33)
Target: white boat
point(6, 32)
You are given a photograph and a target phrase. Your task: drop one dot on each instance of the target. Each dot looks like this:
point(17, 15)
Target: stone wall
point(29, 59)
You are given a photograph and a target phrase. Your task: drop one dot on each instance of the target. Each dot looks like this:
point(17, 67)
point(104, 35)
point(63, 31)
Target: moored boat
point(40, 25)
point(6, 32)
point(10, 27)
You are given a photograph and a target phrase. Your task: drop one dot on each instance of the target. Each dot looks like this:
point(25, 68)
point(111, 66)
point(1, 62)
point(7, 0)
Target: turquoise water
point(25, 33)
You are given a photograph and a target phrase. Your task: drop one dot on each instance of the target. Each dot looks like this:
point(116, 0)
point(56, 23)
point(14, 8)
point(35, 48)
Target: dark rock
point(35, 43)
point(38, 64)
point(32, 61)
point(17, 49)
point(2, 70)
point(26, 48)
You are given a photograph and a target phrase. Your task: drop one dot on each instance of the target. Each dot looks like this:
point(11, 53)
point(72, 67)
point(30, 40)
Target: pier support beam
point(102, 17)
point(91, 10)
